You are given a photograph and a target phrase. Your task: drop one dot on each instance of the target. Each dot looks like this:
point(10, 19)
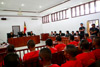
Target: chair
point(34, 62)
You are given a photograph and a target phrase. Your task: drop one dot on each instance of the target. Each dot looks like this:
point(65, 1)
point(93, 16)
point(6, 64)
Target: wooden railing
point(20, 52)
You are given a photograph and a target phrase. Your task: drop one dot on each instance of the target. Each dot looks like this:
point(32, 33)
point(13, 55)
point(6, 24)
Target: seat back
point(34, 62)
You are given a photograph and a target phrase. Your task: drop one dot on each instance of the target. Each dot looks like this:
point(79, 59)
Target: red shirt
point(97, 53)
point(31, 55)
point(53, 50)
point(72, 63)
point(74, 43)
point(89, 40)
point(60, 47)
point(54, 65)
point(86, 58)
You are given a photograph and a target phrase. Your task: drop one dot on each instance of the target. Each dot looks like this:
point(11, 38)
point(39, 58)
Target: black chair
point(8, 35)
point(19, 34)
point(29, 33)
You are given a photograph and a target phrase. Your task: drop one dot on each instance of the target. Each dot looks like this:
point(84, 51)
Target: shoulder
point(54, 65)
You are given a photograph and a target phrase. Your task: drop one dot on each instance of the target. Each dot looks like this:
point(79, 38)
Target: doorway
point(89, 24)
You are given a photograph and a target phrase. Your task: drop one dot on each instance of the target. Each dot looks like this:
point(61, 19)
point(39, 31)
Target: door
point(15, 30)
point(89, 24)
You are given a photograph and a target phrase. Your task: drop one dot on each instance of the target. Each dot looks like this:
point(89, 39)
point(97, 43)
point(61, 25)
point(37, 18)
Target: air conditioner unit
point(3, 18)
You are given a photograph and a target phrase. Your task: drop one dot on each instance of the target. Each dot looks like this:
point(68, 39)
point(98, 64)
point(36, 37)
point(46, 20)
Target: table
point(22, 41)
point(44, 36)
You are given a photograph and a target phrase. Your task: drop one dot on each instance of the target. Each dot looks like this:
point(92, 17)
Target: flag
point(24, 27)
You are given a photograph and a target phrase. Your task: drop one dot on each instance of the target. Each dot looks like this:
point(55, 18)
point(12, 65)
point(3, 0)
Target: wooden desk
point(3, 49)
point(44, 36)
point(22, 41)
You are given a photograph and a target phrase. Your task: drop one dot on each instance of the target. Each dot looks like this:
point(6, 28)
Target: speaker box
point(3, 18)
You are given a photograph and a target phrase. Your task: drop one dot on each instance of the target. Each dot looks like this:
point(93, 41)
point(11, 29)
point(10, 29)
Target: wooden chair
point(34, 62)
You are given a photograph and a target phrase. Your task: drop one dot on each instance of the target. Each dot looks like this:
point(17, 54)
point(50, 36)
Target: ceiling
point(29, 5)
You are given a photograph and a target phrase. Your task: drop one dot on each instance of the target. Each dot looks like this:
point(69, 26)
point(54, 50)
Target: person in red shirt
point(70, 52)
point(73, 42)
point(45, 57)
point(49, 45)
point(96, 43)
point(87, 57)
point(60, 46)
point(86, 36)
point(32, 53)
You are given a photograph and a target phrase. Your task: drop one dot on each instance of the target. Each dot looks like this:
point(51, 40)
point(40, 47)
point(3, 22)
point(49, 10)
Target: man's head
point(49, 42)
point(67, 32)
point(84, 44)
point(31, 32)
point(11, 33)
point(31, 45)
point(72, 32)
point(96, 42)
point(81, 24)
point(10, 48)
point(11, 60)
point(60, 32)
point(70, 51)
point(54, 31)
point(93, 25)
point(86, 35)
point(45, 55)
point(58, 38)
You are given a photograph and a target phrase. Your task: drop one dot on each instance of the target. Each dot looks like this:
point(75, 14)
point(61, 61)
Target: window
point(82, 9)
point(98, 6)
point(73, 12)
point(77, 11)
point(92, 8)
point(45, 19)
point(87, 8)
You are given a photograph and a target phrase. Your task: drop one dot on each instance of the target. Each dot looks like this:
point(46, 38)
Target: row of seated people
point(67, 34)
point(83, 59)
point(20, 34)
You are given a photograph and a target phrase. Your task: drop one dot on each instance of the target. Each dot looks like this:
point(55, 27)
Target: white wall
point(6, 26)
point(71, 24)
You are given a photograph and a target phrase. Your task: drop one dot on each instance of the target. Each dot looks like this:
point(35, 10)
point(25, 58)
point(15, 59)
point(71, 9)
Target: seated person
point(11, 60)
point(32, 53)
point(10, 35)
point(70, 52)
point(23, 34)
point(96, 43)
point(45, 56)
point(67, 34)
point(51, 33)
point(49, 45)
point(61, 34)
point(10, 49)
point(73, 33)
point(55, 34)
point(77, 33)
point(87, 57)
point(73, 42)
point(60, 46)
point(31, 33)
point(86, 36)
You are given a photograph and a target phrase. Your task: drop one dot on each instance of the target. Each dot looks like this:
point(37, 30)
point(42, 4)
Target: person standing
point(82, 31)
point(93, 31)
